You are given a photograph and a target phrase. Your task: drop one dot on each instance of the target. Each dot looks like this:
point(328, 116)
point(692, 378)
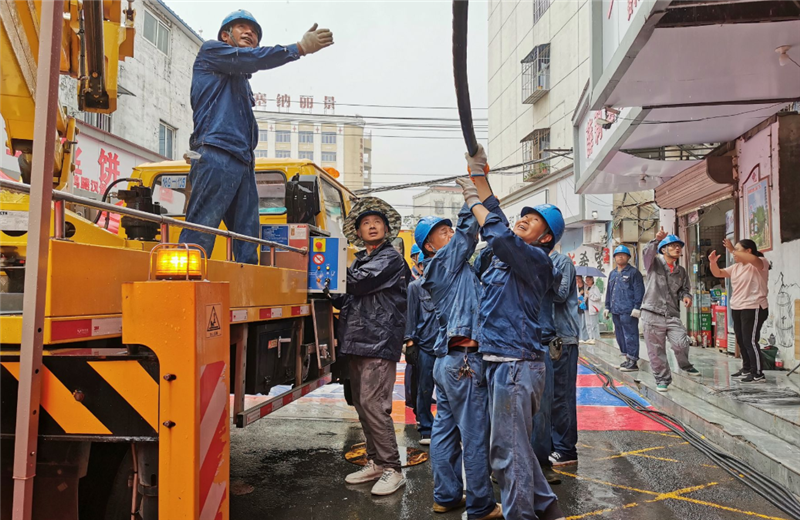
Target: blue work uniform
point(225, 135)
point(542, 444)
point(564, 425)
point(462, 403)
point(422, 328)
point(624, 294)
point(513, 285)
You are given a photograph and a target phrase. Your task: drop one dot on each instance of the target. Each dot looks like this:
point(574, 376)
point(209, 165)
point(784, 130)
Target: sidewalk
point(759, 423)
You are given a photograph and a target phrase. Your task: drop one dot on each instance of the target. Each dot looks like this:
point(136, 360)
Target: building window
point(539, 8)
point(156, 32)
point(533, 149)
point(306, 137)
point(263, 135)
point(536, 74)
point(166, 140)
point(328, 156)
point(439, 207)
point(283, 136)
point(283, 154)
point(262, 153)
point(328, 138)
point(307, 156)
point(101, 121)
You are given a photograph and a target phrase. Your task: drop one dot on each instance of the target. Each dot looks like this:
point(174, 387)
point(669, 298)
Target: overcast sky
point(385, 53)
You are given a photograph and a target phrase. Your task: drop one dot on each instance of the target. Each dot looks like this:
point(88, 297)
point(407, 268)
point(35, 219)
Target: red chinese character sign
point(330, 105)
point(260, 101)
point(306, 104)
point(283, 101)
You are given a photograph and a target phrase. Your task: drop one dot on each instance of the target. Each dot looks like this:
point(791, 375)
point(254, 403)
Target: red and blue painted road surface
point(597, 410)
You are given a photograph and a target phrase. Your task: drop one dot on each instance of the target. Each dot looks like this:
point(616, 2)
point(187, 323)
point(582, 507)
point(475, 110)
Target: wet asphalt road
point(291, 465)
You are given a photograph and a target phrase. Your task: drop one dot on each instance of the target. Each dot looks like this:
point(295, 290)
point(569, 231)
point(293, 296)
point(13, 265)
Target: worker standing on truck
point(461, 427)
point(225, 133)
point(372, 323)
point(509, 336)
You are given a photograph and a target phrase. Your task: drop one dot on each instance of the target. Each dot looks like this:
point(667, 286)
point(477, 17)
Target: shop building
point(734, 121)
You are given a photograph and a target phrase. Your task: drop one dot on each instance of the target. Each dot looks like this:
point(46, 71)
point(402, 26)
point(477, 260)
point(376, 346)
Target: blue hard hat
point(235, 16)
point(552, 215)
point(415, 250)
point(669, 239)
point(424, 228)
point(622, 249)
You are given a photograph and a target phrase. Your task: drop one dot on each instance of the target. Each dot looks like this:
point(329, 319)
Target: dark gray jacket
point(663, 290)
point(373, 312)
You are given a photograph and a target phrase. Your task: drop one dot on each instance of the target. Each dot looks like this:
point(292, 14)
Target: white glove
point(605, 314)
point(635, 313)
point(315, 40)
point(478, 166)
point(470, 192)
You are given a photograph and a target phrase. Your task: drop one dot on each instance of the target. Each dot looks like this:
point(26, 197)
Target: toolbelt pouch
point(556, 348)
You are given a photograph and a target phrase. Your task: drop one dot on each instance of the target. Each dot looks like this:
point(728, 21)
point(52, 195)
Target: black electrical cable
point(108, 190)
point(766, 487)
point(460, 22)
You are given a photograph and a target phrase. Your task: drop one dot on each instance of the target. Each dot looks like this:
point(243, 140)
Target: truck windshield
point(271, 188)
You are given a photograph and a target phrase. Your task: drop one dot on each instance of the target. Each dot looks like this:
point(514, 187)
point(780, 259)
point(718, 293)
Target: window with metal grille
point(539, 8)
point(533, 149)
point(156, 32)
point(439, 207)
point(166, 140)
point(328, 137)
point(309, 156)
point(306, 137)
point(263, 135)
point(101, 121)
point(283, 154)
point(536, 74)
point(328, 156)
point(283, 136)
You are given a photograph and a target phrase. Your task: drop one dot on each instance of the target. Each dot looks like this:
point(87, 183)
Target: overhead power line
point(502, 171)
point(413, 107)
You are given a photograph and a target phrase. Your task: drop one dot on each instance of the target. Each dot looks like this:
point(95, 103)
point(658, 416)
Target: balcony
point(536, 74)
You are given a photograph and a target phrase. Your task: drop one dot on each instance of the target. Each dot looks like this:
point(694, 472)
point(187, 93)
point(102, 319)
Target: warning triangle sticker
point(213, 321)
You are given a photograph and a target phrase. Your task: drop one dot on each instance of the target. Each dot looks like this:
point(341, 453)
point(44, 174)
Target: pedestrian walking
point(372, 324)
point(422, 328)
point(564, 428)
point(225, 132)
point(749, 305)
point(593, 299)
point(583, 335)
point(460, 435)
point(510, 339)
point(666, 286)
point(624, 302)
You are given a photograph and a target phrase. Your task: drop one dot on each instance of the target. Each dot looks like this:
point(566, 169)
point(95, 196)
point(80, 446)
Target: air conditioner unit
point(593, 234)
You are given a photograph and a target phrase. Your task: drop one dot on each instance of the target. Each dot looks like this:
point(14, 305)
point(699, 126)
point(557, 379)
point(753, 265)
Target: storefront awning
point(669, 55)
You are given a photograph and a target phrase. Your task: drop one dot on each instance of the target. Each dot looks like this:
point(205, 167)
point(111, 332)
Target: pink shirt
point(750, 288)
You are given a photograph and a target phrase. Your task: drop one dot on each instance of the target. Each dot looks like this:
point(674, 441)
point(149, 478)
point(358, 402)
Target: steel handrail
point(20, 187)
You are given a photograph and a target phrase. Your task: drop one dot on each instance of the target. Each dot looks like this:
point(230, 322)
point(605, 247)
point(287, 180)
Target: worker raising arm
point(225, 130)
point(509, 338)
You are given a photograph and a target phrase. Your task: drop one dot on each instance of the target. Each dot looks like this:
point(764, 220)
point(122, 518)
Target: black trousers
point(747, 327)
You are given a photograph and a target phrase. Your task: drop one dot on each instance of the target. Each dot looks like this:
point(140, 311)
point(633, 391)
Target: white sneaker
point(390, 481)
point(368, 473)
point(590, 342)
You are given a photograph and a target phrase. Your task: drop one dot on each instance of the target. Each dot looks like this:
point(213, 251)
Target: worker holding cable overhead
point(225, 133)
point(509, 339)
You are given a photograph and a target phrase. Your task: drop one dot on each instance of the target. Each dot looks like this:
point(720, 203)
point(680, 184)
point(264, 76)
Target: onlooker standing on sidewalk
point(583, 334)
point(372, 323)
point(421, 331)
point(624, 301)
point(593, 299)
point(564, 430)
point(667, 284)
point(749, 277)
